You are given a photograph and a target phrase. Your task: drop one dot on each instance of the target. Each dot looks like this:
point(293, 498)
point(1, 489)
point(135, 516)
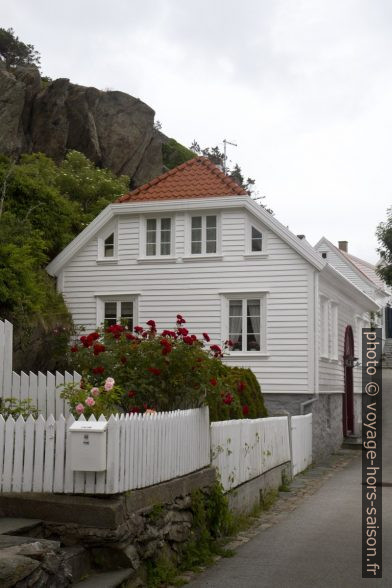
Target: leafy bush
point(15, 408)
point(163, 371)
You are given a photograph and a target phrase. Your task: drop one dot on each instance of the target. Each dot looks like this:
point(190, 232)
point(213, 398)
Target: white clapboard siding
point(244, 449)
point(142, 450)
point(301, 442)
point(42, 389)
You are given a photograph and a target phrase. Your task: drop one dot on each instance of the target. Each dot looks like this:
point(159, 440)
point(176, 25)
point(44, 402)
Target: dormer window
point(158, 236)
point(108, 246)
point(257, 240)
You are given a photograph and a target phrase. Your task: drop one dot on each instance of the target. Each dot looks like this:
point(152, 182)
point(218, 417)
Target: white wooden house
point(193, 242)
point(363, 275)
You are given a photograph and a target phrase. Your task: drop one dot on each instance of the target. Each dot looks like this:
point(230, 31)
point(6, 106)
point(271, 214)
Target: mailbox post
point(88, 446)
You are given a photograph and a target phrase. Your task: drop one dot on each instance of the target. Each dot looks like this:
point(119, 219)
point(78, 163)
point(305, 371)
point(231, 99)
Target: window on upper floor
point(158, 236)
point(204, 234)
point(324, 327)
point(257, 240)
point(108, 246)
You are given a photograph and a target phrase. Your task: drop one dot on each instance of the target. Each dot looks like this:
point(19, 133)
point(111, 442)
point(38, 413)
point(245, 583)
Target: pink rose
point(95, 391)
point(90, 401)
point(79, 408)
point(109, 383)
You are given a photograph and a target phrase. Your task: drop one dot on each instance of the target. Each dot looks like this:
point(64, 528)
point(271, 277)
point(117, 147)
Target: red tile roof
point(196, 178)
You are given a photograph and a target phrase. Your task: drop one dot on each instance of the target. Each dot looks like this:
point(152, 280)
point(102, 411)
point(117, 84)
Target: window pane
point(253, 325)
point(211, 247)
point(196, 222)
point(211, 222)
point(196, 247)
point(110, 315)
point(127, 314)
point(235, 324)
point(151, 249)
point(109, 246)
point(165, 236)
point(151, 224)
point(257, 240)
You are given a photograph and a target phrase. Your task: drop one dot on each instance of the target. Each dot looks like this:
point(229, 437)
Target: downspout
point(315, 342)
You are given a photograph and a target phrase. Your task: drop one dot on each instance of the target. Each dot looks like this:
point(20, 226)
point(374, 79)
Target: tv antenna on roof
point(225, 143)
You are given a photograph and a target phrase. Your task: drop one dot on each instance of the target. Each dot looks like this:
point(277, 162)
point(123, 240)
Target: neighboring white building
point(363, 274)
point(193, 242)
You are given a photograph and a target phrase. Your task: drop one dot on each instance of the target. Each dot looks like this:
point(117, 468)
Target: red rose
point(229, 343)
point(182, 331)
point(188, 340)
point(206, 337)
point(228, 398)
point(155, 371)
point(99, 348)
point(241, 386)
point(85, 341)
point(131, 394)
point(129, 336)
point(213, 381)
point(139, 329)
point(167, 333)
point(98, 370)
point(245, 410)
point(134, 409)
point(74, 349)
point(216, 350)
point(180, 319)
point(193, 337)
point(93, 336)
point(151, 324)
point(123, 360)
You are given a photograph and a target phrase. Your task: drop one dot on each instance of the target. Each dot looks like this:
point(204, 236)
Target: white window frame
point(102, 298)
point(203, 254)
point(324, 327)
point(111, 229)
point(334, 311)
point(248, 240)
point(143, 238)
point(257, 295)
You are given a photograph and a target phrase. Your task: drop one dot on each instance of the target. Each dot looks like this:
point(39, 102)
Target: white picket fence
point(244, 449)
point(43, 389)
point(142, 450)
point(301, 442)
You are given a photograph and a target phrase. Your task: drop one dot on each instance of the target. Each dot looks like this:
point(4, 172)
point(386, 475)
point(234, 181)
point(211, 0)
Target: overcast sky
point(304, 87)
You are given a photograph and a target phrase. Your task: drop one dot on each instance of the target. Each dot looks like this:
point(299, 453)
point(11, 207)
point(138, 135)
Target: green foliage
point(384, 236)
point(15, 52)
point(174, 154)
point(15, 408)
point(92, 188)
point(43, 206)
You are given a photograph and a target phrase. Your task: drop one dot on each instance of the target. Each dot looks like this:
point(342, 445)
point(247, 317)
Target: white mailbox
point(88, 446)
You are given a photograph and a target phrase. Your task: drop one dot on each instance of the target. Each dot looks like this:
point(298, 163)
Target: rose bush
point(146, 370)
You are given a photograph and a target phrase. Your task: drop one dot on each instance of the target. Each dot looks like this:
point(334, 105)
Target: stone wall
point(114, 532)
point(327, 418)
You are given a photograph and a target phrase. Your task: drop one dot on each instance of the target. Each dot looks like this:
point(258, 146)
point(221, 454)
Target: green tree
point(384, 236)
point(91, 187)
point(15, 52)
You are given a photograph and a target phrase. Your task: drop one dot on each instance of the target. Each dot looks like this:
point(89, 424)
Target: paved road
point(319, 544)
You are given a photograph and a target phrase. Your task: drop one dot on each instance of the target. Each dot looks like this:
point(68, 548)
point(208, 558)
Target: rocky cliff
point(111, 128)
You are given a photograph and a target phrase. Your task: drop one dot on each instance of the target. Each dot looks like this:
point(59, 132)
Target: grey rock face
point(113, 129)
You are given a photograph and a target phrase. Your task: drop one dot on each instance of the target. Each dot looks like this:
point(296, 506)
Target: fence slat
point(2, 447)
point(39, 454)
point(18, 454)
point(50, 431)
point(29, 455)
point(59, 402)
point(8, 454)
point(68, 472)
point(7, 370)
point(59, 456)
